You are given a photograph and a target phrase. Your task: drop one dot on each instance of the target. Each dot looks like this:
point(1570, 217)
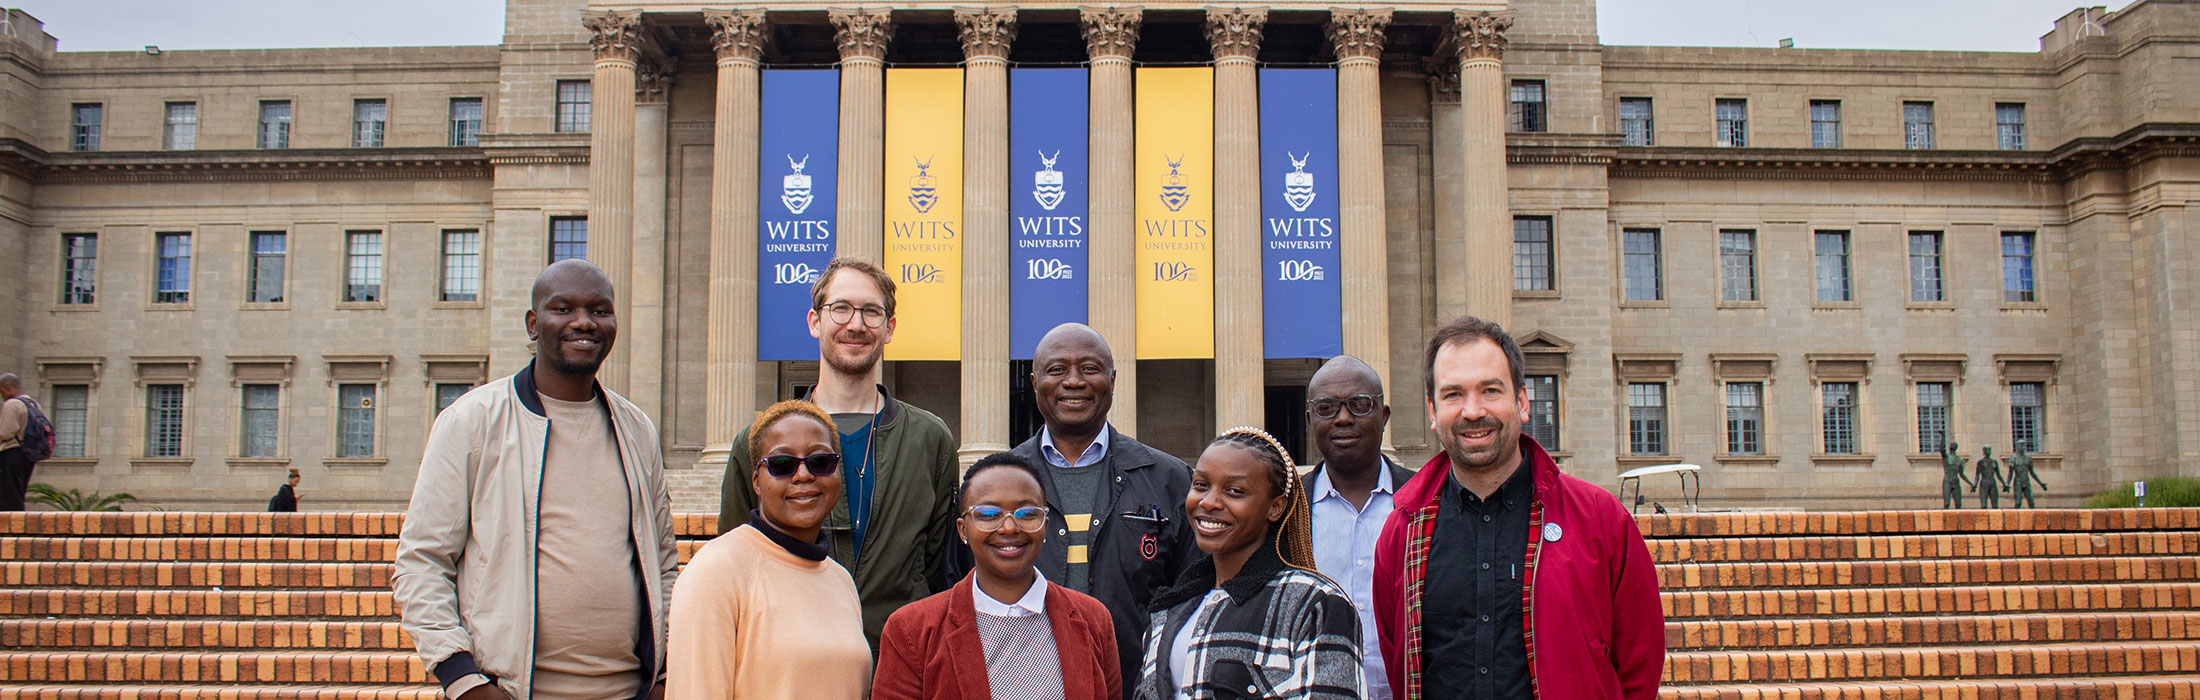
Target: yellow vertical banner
point(924, 209)
point(1175, 197)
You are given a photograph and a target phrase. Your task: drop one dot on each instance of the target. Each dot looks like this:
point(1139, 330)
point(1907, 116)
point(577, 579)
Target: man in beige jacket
point(522, 572)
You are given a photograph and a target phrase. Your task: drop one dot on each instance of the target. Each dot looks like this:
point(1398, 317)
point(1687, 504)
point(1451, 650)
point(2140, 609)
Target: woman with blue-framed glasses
point(1004, 631)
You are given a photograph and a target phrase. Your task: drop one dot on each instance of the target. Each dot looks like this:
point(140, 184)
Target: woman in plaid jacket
point(1252, 619)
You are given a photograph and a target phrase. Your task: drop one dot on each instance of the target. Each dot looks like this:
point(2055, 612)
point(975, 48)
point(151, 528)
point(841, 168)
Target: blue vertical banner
point(1302, 308)
point(1047, 275)
point(796, 180)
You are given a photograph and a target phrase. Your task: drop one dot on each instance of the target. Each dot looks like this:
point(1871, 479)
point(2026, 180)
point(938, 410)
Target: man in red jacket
point(1497, 576)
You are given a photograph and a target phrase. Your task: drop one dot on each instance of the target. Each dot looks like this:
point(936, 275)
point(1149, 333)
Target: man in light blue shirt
point(1352, 490)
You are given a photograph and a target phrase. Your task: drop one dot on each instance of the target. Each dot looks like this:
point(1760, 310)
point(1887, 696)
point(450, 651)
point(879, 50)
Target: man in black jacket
point(1116, 527)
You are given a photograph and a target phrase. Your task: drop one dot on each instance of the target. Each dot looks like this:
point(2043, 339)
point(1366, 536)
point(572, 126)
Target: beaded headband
point(1273, 444)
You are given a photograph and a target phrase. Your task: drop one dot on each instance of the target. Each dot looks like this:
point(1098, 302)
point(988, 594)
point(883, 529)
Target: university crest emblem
point(1046, 184)
point(1298, 185)
point(923, 192)
point(794, 189)
point(1174, 192)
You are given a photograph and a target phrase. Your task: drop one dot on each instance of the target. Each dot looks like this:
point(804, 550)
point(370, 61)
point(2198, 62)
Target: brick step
point(1891, 602)
point(1894, 522)
point(219, 692)
point(232, 604)
point(96, 574)
point(121, 667)
point(154, 635)
point(1928, 631)
point(335, 524)
point(1876, 664)
point(318, 550)
point(1975, 546)
point(1841, 574)
point(2186, 688)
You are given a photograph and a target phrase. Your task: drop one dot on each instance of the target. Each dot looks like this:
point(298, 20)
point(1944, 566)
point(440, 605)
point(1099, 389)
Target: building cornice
point(246, 166)
point(2077, 157)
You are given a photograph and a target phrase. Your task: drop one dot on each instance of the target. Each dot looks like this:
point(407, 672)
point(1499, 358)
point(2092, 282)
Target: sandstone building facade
point(1801, 269)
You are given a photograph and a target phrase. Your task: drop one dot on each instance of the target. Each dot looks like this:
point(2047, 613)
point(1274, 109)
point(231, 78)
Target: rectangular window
point(2016, 268)
point(574, 101)
point(1825, 123)
point(84, 121)
point(260, 423)
point(267, 267)
point(1635, 121)
point(1732, 129)
point(447, 394)
point(1532, 264)
point(180, 129)
point(1917, 125)
point(275, 124)
point(368, 118)
point(1527, 106)
point(461, 266)
point(1745, 418)
point(1833, 266)
point(1933, 400)
point(1646, 418)
point(466, 121)
point(363, 266)
point(1839, 411)
point(164, 420)
point(2009, 126)
point(568, 238)
point(79, 268)
point(1640, 247)
point(355, 420)
point(172, 285)
point(1738, 265)
point(72, 415)
point(2028, 415)
point(1925, 267)
point(1543, 409)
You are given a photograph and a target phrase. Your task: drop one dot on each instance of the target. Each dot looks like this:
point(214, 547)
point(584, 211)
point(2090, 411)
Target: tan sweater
point(752, 621)
point(13, 418)
point(588, 605)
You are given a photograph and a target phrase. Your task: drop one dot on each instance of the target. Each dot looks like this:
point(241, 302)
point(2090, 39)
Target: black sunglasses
point(822, 464)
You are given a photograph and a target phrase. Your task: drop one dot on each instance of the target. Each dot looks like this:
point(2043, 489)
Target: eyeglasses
point(1358, 404)
point(822, 464)
point(841, 311)
point(991, 518)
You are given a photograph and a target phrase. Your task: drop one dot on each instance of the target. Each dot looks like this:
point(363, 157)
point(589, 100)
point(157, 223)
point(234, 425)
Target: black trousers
point(15, 477)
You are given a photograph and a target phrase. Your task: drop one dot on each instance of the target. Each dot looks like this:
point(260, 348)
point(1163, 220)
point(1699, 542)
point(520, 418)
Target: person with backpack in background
point(26, 438)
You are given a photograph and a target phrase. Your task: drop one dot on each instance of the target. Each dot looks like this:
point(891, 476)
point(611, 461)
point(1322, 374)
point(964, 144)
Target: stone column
point(1448, 163)
point(729, 355)
point(617, 42)
point(1357, 36)
point(1480, 37)
point(644, 324)
point(1240, 398)
point(985, 37)
point(1111, 35)
point(863, 36)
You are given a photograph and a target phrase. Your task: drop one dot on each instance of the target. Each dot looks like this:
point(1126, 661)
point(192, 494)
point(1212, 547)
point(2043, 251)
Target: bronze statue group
point(1990, 483)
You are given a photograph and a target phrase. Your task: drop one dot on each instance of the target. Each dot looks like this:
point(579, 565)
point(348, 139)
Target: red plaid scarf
point(1420, 538)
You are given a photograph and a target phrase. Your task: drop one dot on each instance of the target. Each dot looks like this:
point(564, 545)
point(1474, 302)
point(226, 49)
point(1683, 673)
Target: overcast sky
point(1972, 25)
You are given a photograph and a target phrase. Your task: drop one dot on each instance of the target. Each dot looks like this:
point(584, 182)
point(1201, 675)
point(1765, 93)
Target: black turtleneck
point(813, 551)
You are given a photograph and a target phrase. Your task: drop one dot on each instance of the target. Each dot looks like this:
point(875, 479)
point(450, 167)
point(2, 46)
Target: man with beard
point(1116, 528)
point(1491, 547)
point(898, 496)
point(537, 557)
point(1352, 490)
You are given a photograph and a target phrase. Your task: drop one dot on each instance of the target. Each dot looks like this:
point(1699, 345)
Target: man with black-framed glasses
point(897, 460)
point(1351, 490)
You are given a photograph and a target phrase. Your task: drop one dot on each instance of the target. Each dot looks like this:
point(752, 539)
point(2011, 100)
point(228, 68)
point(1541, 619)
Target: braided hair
point(1294, 540)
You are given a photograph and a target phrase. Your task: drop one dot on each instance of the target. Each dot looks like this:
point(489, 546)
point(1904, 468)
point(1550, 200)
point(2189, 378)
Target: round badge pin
point(1551, 532)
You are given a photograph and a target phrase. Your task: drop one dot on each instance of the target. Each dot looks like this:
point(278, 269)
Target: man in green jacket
point(898, 507)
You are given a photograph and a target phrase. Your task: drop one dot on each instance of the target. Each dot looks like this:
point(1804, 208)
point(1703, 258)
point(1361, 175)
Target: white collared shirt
point(1344, 550)
point(1092, 455)
point(1034, 601)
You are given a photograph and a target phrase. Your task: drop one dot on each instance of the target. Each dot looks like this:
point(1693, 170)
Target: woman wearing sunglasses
point(1252, 619)
point(761, 612)
point(1003, 631)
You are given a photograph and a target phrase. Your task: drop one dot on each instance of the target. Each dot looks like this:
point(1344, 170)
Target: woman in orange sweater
point(761, 612)
point(1004, 631)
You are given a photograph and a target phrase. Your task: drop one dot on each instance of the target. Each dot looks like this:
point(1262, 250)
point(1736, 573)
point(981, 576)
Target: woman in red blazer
point(1004, 631)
